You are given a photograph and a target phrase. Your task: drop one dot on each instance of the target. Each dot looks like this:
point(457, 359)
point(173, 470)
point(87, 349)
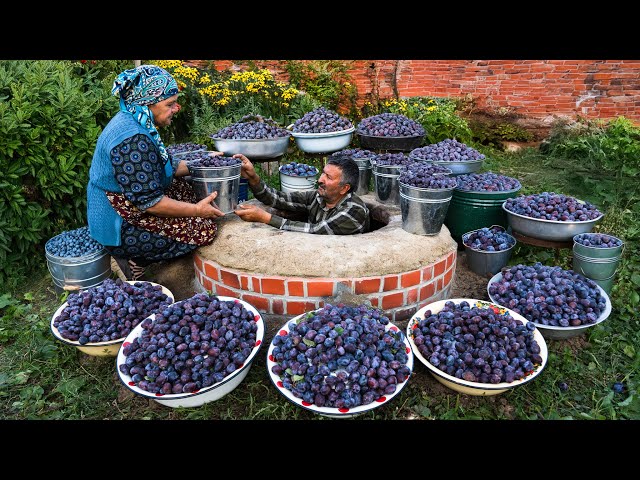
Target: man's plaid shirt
point(350, 215)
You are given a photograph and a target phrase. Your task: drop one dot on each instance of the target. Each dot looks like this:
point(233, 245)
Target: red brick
point(255, 281)
point(374, 301)
point(370, 285)
point(229, 278)
point(273, 285)
point(260, 303)
point(390, 283)
point(392, 300)
point(197, 262)
point(277, 306)
point(427, 291)
point(207, 284)
point(448, 276)
point(244, 282)
point(319, 289)
point(225, 292)
point(210, 271)
point(439, 284)
point(439, 267)
point(410, 279)
point(412, 296)
point(427, 273)
point(296, 308)
point(295, 288)
point(451, 259)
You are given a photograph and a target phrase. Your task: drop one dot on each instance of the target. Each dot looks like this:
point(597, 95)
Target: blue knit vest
point(104, 222)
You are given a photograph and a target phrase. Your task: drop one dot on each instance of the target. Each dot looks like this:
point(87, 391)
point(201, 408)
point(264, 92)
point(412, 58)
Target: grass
point(41, 378)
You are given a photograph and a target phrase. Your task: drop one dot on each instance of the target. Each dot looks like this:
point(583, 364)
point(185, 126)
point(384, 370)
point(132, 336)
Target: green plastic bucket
point(470, 211)
point(598, 264)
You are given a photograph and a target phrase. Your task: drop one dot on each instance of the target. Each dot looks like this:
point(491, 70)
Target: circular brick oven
point(289, 273)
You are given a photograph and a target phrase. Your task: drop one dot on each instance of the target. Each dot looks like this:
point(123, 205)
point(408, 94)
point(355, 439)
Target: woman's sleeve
point(139, 170)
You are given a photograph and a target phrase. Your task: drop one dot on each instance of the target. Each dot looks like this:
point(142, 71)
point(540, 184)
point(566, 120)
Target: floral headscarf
point(142, 86)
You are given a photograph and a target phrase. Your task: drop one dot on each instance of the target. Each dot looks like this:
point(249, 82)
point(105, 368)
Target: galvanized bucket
point(473, 210)
point(79, 273)
point(243, 193)
point(598, 264)
point(295, 183)
point(386, 183)
point(486, 264)
point(224, 180)
point(364, 175)
point(423, 209)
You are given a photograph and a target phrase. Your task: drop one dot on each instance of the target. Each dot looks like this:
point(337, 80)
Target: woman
point(139, 206)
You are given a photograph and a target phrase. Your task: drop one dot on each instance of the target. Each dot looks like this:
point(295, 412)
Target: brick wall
point(537, 89)
point(399, 295)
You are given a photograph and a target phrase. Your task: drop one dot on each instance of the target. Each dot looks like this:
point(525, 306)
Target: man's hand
point(247, 171)
point(252, 213)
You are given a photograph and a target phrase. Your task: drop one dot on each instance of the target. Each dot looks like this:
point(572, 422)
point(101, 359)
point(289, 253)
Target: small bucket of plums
point(488, 249)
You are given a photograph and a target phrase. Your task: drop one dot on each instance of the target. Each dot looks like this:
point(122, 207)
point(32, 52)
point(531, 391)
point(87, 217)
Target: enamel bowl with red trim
point(199, 331)
point(460, 384)
point(341, 377)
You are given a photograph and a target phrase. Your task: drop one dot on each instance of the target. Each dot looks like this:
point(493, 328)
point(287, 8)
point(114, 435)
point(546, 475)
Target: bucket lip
point(604, 249)
point(81, 258)
point(296, 176)
point(553, 222)
point(446, 162)
point(251, 140)
point(237, 165)
point(425, 189)
point(484, 192)
point(504, 231)
point(338, 133)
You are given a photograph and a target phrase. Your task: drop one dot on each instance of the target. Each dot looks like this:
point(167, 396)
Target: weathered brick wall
point(537, 89)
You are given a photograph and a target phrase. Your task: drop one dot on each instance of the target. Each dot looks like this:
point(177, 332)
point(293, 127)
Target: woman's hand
point(206, 208)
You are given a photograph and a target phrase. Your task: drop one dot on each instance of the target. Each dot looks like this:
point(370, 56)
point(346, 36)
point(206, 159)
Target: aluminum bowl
point(405, 144)
point(206, 394)
point(554, 230)
point(553, 332)
point(253, 148)
point(332, 411)
point(465, 386)
point(323, 142)
point(457, 168)
point(98, 349)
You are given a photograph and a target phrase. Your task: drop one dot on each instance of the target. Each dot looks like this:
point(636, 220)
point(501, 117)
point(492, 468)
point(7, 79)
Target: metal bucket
point(79, 273)
point(598, 264)
point(486, 263)
point(386, 183)
point(423, 209)
point(364, 175)
point(295, 183)
point(470, 211)
point(224, 180)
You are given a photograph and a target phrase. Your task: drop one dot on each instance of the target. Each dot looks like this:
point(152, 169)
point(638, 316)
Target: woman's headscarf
point(142, 86)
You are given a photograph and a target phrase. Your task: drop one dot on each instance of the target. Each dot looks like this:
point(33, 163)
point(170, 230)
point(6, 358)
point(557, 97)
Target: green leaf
point(629, 351)
point(309, 343)
point(635, 278)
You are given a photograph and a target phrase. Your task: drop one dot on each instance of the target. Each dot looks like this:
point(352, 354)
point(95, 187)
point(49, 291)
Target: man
point(332, 209)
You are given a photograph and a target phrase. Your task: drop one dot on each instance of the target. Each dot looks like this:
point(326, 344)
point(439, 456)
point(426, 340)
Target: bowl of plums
point(340, 361)
point(551, 216)
point(321, 131)
point(560, 303)
point(254, 136)
point(191, 352)
point(488, 249)
point(456, 156)
point(477, 347)
point(390, 131)
point(97, 320)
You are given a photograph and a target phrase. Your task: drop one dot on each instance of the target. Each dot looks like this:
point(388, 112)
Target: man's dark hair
point(350, 171)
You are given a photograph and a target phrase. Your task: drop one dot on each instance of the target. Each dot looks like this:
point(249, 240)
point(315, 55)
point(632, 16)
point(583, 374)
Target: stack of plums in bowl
point(476, 347)
point(340, 361)
point(254, 136)
point(551, 216)
point(191, 352)
point(322, 131)
point(97, 320)
point(455, 155)
point(561, 303)
point(390, 131)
